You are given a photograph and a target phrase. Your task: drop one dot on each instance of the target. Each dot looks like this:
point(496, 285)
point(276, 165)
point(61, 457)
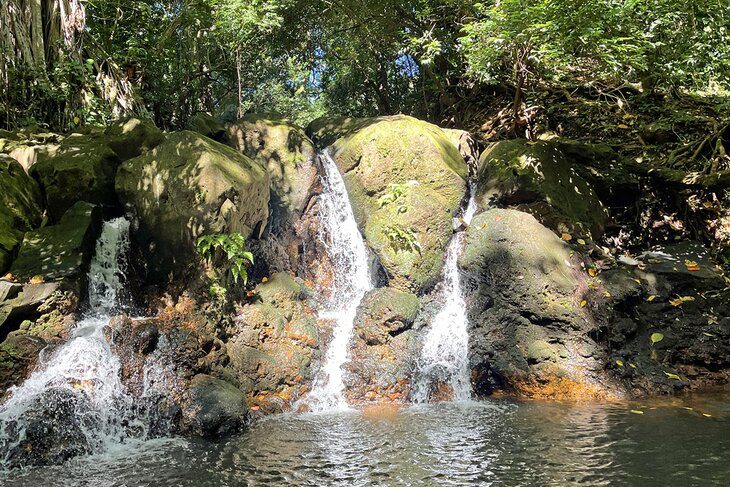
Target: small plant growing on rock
point(231, 248)
point(402, 238)
point(393, 194)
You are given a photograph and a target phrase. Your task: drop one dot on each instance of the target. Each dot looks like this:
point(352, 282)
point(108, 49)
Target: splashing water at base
point(346, 249)
point(77, 392)
point(443, 361)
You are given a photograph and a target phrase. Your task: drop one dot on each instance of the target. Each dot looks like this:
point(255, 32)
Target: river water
point(493, 442)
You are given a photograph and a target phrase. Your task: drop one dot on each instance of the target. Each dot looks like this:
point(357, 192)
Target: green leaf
point(656, 337)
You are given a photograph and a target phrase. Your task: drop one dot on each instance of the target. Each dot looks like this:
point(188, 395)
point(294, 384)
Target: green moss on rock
point(186, 187)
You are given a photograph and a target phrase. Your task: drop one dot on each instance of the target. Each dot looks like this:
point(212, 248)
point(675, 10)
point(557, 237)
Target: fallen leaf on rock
point(681, 300)
point(636, 411)
point(583, 303)
point(265, 279)
point(619, 363)
point(567, 237)
point(708, 334)
point(36, 280)
point(656, 337)
point(581, 241)
point(632, 365)
point(706, 415)
point(592, 272)
point(651, 298)
point(672, 376)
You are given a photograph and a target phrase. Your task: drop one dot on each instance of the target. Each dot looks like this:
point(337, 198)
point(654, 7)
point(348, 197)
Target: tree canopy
point(71, 62)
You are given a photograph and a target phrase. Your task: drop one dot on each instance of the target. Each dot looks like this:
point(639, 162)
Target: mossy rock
point(215, 408)
point(131, 137)
point(514, 172)
point(209, 126)
point(289, 157)
point(61, 250)
point(83, 169)
point(186, 187)
point(430, 173)
point(384, 313)
point(324, 131)
point(20, 208)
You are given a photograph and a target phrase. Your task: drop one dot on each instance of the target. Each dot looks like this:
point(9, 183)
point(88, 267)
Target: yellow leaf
point(656, 337)
point(623, 126)
point(708, 204)
point(567, 237)
point(583, 303)
point(619, 363)
point(36, 279)
point(688, 408)
point(632, 365)
point(592, 272)
point(265, 279)
point(672, 376)
point(637, 281)
point(581, 241)
point(651, 298)
point(76, 120)
point(636, 411)
point(681, 300)
point(706, 415)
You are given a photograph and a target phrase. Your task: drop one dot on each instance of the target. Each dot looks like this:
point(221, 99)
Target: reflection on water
point(500, 443)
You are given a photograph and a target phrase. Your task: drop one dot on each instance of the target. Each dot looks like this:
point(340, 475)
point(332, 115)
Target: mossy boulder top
point(186, 187)
point(20, 207)
point(286, 153)
point(405, 181)
point(130, 137)
point(518, 172)
point(83, 169)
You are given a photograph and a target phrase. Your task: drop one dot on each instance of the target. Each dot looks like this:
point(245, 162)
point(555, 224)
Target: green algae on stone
point(186, 187)
point(418, 155)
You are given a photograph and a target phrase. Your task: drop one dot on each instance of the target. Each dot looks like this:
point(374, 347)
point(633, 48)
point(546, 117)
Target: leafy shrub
point(402, 239)
point(229, 248)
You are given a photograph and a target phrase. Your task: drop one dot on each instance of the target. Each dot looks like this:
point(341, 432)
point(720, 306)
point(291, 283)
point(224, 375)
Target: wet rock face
point(290, 159)
point(214, 408)
point(383, 352)
point(676, 295)
point(186, 187)
point(52, 430)
point(405, 179)
point(530, 330)
point(18, 356)
point(274, 343)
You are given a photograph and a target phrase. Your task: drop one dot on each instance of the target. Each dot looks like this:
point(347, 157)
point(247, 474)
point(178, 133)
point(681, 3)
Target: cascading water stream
point(83, 370)
point(352, 279)
point(443, 359)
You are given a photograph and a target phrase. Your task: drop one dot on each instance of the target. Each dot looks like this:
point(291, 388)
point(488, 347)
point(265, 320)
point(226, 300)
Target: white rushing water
point(84, 365)
point(349, 256)
point(443, 359)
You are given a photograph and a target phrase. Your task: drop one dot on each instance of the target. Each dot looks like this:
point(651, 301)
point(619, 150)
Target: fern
point(232, 247)
point(402, 239)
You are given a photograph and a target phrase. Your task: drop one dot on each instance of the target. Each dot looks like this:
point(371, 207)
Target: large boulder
point(83, 169)
point(467, 146)
point(20, 208)
point(209, 126)
point(50, 431)
point(527, 298)
point(289, 157)
point(131, 137)
point(541, 179)
point(186, 187)
point(63, 250)
point(215, 408)
point(18, 357)
point(274, 344)
point(383, 352)
point(405, 180)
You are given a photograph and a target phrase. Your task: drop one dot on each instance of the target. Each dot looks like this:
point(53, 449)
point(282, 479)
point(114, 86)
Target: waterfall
point(83, 372)
point(349, 256)
point(443, 360)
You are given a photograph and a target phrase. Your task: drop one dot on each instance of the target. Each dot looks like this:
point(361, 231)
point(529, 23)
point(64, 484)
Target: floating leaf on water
point(656, 337)
point(619, 363)
point(672, 376)
point(567, 237)
point(636, 411)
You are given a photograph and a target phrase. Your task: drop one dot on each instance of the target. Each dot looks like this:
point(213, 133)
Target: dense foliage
point(303, 58)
